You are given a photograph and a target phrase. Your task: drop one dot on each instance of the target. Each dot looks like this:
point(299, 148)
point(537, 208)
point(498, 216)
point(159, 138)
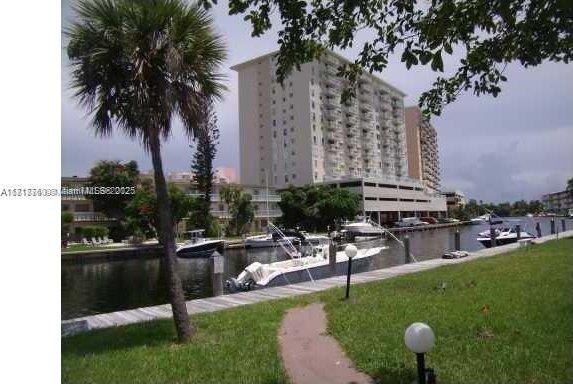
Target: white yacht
point(485, 219)
point(302, 268)
point(308, 262)
point(362, 228)
point(197, 246)
point(503, 236)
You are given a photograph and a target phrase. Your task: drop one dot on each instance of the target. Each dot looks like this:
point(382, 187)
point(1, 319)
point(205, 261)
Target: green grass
point(506, 319)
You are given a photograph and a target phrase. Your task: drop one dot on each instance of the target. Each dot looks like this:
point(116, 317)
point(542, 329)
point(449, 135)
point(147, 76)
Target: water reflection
point(106, 286)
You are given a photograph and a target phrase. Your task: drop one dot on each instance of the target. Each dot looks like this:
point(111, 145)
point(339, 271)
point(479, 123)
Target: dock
point(211, 304)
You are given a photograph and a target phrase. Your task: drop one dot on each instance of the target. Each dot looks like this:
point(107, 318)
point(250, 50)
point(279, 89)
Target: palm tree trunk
point(182, 323)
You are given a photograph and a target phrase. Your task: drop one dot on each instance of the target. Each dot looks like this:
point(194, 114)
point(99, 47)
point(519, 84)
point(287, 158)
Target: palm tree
point(135, 65)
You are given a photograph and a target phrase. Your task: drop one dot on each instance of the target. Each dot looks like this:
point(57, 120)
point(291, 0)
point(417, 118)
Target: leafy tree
point(135, 66)
point(66, 219)
point(202, 167)
point(143, 211)
point(570, 184)
point(486, 34)
point(317, 206)
point(240, 208)
point(113, 174)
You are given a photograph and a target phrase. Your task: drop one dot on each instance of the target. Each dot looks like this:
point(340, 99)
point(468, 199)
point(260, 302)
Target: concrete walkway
point(309, 355)
point(211, 304)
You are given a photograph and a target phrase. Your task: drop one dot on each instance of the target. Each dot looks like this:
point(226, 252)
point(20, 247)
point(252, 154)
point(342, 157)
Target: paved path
point(211, 304)
point(309, 355)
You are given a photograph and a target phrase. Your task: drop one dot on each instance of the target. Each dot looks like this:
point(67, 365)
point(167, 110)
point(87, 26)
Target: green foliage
point(314, 207)
point(506, 209)
point(114, 174)
point(487, 35)
point(205, 151)
point(203, 173)
point(142, 212)
point(240, 208)
point(94, 231)
point(67, 217)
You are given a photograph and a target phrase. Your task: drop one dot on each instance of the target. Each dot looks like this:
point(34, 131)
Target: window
point(284, 99)
point(291, 117)
point(274, 101)
point(273, 91)
point(314, 139)
point(82, 207)
point(291, 106)
point(293, 176)
point(286, 178)
point(274, 123)
point(314, 127)
point(285, 131)
point(274, 134)
point(290, 95)
point(312, 105)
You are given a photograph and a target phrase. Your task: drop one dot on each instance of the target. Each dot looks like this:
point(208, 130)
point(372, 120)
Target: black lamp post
point(419, 338)
point(350, 252)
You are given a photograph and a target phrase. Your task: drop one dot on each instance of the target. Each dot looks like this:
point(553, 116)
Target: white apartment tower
point(300, 133)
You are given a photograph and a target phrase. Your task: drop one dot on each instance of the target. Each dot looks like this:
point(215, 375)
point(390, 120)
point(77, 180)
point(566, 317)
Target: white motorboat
point(304, 268)
point(503, 236)
point(265, 241)
point(487, 219)
point(197, 246)
point(361, 229)
point(309, 262)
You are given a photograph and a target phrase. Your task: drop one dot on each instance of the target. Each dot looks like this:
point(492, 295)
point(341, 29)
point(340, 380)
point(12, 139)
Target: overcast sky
point(515, 146)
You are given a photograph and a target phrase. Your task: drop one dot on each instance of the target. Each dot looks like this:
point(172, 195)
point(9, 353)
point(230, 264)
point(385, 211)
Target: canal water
point(92, 287)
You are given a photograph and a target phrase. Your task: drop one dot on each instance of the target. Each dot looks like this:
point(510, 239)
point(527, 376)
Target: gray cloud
point(515, 146)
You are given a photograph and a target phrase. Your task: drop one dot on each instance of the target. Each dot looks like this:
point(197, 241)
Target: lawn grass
point(506, 319)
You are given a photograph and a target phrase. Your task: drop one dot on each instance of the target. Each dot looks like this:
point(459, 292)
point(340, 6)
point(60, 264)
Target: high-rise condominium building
point(422, 149)
point(301, 133)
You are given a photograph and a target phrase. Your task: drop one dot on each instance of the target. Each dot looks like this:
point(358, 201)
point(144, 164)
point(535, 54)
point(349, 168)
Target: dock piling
point(217, 267)
point(552, 226)
point(538, 229)
point(457, 242)
point(518, 230)
point(332, 258)
point(407, 249)
point(563, 228)
point(493, 243)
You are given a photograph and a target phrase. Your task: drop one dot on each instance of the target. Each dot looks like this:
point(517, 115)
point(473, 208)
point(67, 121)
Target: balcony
point(333, 82)
point(332, 91)
point(366, 88)
point(365, 97)
point(366, 108)
point(350, 121)
point(332, 114)
point(351, 109)
point(90, 216)
point(366, 116)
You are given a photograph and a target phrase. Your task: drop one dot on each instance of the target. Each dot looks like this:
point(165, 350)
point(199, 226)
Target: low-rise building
point(73, 199)
point(387, 200)
point(558, 202)
point(454, 199)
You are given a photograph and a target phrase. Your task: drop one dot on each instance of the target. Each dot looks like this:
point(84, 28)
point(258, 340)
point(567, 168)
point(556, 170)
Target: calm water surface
point(92, 287)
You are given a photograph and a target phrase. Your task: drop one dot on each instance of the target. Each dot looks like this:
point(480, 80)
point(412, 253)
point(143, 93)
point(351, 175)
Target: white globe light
point(350, 251)
point(419, 338)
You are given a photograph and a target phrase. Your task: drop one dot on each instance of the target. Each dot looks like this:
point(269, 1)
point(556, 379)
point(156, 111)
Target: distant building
point(73, 200)
point(422, 149)
point(454, 199)
point(558, 202)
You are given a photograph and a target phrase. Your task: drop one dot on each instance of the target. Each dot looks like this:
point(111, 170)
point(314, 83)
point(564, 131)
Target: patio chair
point(86, 241)
point(95, 242)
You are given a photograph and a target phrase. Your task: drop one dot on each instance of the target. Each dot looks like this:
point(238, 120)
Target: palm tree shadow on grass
point(152, 334)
